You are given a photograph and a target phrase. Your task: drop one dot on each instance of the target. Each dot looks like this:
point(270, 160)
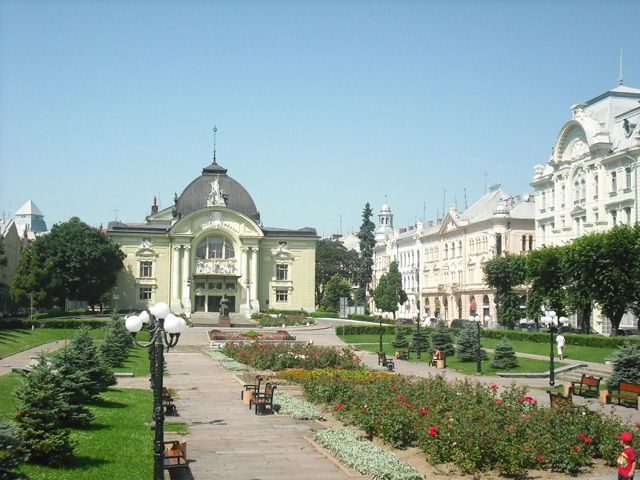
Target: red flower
point(526, 449)
point(394, 388)
point(424, 412)
point(587, 439)
point(528, 416)
point(494, 387)
point(509, 405)
point(577, 449)
point(638, 425)
point(433, 431)
point(582, 435)
point(339, 407)
point(415, 425)
point(499, 402)
point(539, 458)
point(364, 408)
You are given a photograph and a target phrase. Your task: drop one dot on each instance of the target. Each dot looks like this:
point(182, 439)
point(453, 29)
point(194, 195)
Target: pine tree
point(40, 404)
point(442, 340)
point(83, 368)
point(117, 342)
point(424, 340)
point(467, 343)
point(504, 356)
point(367, 244)
point(400, 337)
point(626, 365)
point(11, 455)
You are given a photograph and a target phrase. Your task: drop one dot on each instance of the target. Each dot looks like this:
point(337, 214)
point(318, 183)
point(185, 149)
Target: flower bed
point(474, 426)
point(280, 335)
point(296, 408)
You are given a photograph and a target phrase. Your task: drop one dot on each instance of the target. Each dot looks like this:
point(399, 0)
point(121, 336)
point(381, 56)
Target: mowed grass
point(118, 444)
point(14, 341)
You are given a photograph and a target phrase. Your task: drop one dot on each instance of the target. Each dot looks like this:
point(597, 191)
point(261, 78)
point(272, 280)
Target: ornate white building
point(590, 181)
point(211, 243)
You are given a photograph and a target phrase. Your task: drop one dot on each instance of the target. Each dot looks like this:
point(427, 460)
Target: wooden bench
point(167, 402)
point(253, 388)
point(627, 392)
point(175, 454)
point(560, 400)
point(264, 400)
point(404, 355)
point(385, 362)
point(586, 386)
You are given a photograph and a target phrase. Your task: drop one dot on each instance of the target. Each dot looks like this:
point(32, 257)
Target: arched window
point(215, 247)
point(583, 190)
point(627, 174)
point(614, 182)
point(595, 186)
point(524, 242)
point(576, 192)
point(530, 242)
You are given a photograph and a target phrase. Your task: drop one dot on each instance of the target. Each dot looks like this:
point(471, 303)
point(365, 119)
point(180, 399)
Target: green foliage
point(363, 329)
point(389, 293)
point(423, 339)
point(546, 277)
point(11, 455)
point(505, 273)
point(467, 344)
point(117, 342)
point(336, 288)
point(38, 416)
point(400, 340)
point(84, 370)
point(288, 319)
point(333, 258)
point(626, 366)
point(442, 339)
point(370, 318)
point(324, 314)
point(73, 261)
point(504, 356)
point(367, 244)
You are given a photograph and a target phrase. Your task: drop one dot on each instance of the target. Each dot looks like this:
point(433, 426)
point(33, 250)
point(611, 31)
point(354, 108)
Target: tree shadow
point(101, 402)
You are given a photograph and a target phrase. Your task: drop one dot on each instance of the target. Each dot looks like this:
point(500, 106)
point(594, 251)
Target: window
point(576, 192)
point(530, 242)
point(230, 285)
point(215, 247)
point(282, 272)
point(614, 218)
point(627, 215)
point(544, 200)
point(282, 295)
point(627, 174)
point(215, 285)
point(145, 293)
point(583, 190)
point(524, 242)
point(614, 182)
point(595, 187)
point(146, 269)
point(562, 195)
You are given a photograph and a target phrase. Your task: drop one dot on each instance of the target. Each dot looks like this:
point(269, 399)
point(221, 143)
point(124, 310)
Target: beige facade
point(209, 244)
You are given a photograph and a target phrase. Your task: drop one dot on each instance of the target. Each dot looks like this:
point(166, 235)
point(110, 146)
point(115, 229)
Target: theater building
point(210, 243)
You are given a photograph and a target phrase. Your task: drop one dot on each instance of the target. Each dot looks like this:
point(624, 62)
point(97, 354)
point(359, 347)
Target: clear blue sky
point(321, 106)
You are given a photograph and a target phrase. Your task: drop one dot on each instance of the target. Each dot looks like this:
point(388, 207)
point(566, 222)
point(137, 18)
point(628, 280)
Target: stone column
point(186, 271)
point(175, 286)
point(254, 274)
point(244, 280)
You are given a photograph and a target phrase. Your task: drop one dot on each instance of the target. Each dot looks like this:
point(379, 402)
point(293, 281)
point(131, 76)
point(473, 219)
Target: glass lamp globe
point(160, 310)
point(144, 316)
point(133, 324)
point(172, 324)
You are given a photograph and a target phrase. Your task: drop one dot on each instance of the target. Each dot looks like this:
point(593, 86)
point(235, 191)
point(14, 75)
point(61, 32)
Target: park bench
point(404, 355)
point(586, 386)
point(167, 402)
point(560, 400)
point(440, 357)
point(264, 400)
point(625, 391)
point(251, 388)
point(175, 454)
point(385, 362)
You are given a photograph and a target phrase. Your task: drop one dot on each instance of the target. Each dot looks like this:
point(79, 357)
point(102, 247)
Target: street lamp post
point(379, 312)
point(419, 357)
point(164, 328)
point(553, 322)
point(476, 318)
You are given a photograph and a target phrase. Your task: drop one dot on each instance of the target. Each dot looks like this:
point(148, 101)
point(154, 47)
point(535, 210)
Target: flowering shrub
point(215, 334)
point(286, 319)
point(281, 356)
point(475, 426)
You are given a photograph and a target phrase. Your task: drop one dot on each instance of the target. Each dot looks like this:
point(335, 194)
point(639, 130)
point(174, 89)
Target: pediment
point(578, 211)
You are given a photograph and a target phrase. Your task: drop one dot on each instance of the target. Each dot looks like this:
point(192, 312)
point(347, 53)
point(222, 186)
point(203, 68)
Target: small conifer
point(467, 343)
point(11, 455)
point(626, 365)
point(117, 342)
point(504, 356)
point(423, 339)
point(400, 337)
point(442, 340)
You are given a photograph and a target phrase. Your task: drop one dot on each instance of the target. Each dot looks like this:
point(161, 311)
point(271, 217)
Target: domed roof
point(215, 188)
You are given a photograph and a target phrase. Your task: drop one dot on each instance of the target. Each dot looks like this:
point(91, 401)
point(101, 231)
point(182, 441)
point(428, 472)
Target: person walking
point(560, 341)
point(627, 460)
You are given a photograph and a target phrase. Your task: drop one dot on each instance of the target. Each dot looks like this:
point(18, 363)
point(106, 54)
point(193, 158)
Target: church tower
point(385, 223)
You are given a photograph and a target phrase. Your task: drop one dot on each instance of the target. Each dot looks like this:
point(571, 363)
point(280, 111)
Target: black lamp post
point(419, 357)
point(552, 321)
point(476, 318)
point(380, 330)
point(164, 328)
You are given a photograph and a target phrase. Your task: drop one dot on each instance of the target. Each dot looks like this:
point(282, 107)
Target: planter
point(440, 364)
point(261, 408)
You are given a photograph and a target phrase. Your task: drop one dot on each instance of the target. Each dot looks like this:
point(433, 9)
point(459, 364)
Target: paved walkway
point(227, 441)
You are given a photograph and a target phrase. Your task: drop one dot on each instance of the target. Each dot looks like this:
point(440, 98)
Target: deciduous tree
point(332, 258)
point(505, 273)
point(547, 281)
point(336, 288)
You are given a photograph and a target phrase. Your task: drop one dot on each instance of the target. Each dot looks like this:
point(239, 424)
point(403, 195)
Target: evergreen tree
point(38, 416)
point(83, 369)
point(11, 455)
point(117, 342)
point(626, 365)
point(367, 244)
point(400, 337)
point(424, 340)
point(467, 344)
point(442, 340)
point(504, 356)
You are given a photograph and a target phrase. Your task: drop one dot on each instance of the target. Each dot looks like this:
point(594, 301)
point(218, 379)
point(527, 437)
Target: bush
point(504, 356)
point(467, 344)
point(117, 342)
point(324, 315)
point(626, 366)
point(442, 340)
point(424, 339)
point(400, 337)
point(11, 456)
point(363, 329)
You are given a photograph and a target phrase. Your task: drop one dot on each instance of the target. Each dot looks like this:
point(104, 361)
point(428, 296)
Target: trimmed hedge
point(25, 323)
point(370, 318)
point(324, 315)
point(369, 329)
point(572, 338)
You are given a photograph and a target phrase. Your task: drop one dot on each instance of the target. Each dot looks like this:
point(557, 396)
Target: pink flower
point(454, 444)
point(528, 416)
point(499, 402)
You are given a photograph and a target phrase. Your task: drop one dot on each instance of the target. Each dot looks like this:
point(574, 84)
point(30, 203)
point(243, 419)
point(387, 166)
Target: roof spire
point(621, 79)
point(215, 129)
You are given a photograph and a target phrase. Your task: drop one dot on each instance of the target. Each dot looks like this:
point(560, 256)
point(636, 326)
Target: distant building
point(29, 221)
point(211, 243)
point(12, 249)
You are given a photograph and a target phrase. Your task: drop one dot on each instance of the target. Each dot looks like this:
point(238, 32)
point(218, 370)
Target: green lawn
point(14, 341)
point(117, 441)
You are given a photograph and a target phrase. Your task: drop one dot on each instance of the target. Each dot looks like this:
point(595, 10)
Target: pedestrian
point(627, 459)
point(560, 341)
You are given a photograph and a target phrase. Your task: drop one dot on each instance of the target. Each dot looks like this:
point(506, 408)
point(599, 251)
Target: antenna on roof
point(115, 210)
point(466, 204)
point(215, 129)
point(621, 79)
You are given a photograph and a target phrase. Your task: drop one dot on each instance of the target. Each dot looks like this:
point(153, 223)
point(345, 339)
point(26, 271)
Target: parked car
point(627, 332)
point(429, 322)
point(460, 323)
point(405, 321)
